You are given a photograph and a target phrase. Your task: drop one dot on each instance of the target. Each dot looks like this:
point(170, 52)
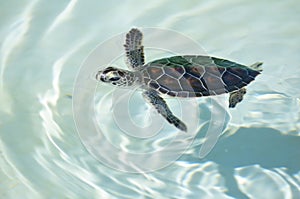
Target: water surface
point(42, 47)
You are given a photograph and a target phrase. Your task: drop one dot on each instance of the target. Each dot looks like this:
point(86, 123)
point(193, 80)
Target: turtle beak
point(100, 76)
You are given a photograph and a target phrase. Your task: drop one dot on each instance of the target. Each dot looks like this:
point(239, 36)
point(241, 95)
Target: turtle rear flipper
point(236, 97)
point(257, 66)
point(162, 108)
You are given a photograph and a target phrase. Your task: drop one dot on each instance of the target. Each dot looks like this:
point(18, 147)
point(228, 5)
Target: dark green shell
point(196, 76)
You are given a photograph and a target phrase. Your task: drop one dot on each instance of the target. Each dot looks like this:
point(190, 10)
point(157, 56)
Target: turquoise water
point(43, 46)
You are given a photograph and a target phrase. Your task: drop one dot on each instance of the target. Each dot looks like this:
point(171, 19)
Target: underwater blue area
point(65, 135)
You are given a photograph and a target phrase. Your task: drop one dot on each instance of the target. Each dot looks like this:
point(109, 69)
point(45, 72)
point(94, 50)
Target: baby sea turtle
point(179, 76)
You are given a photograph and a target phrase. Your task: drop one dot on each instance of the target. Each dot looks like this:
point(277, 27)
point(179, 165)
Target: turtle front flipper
point(134, 49)
point(236, 97)
point(162, 108)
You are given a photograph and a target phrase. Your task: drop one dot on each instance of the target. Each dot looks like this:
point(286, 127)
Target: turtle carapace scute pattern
point(181, 76)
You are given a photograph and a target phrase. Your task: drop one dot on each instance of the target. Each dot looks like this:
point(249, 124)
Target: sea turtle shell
point(196, 76)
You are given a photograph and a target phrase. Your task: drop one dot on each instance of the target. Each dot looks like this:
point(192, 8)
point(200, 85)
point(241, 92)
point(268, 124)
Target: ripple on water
point(41, 155)
point(257, 182)
point(270, 104)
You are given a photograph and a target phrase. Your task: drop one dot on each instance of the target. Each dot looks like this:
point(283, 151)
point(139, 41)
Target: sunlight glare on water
point(43, 46)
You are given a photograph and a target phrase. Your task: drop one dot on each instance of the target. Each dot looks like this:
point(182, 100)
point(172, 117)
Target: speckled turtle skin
point(178, 76)
point(196, 76)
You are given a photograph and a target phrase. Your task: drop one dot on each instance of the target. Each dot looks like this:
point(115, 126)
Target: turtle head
point(116, 76)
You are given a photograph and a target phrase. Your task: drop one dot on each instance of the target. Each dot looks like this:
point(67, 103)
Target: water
point(43, 46)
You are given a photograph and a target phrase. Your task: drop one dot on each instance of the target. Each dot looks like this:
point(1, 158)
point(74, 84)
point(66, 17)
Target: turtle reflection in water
point(179, 76)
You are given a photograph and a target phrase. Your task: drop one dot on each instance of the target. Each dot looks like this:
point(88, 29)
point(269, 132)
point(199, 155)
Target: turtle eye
point(121, 73)
point(113, 79)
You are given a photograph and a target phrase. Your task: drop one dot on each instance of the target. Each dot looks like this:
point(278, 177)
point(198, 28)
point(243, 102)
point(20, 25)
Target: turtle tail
point(257, 66)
